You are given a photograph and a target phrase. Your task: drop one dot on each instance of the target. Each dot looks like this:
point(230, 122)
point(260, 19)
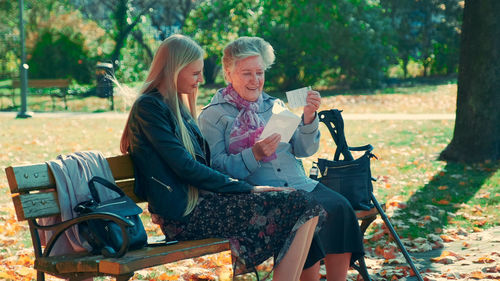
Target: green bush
point(56, 55)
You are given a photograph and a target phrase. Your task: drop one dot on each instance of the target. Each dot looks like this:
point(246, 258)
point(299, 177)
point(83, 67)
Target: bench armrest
point(60, 228)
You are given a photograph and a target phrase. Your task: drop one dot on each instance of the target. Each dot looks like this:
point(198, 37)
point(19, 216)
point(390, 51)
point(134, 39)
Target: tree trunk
point(405, 59)
point(211, 69)
point(477, 127)
point(120, 19)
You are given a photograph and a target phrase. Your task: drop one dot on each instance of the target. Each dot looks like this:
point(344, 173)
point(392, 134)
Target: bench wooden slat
point(128, 187)
point(25, 178)
point(42, 204)
point(133, 260)
point(35, 205)
point(121, 167)
point(152, 256)
point(43, 83)
point(29, 177)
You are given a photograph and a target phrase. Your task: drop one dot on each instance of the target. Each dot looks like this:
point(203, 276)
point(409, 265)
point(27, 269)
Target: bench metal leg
point(40, 275)
point(53, 102)
point(396, 237)
point(362, 270)
point(65, 102)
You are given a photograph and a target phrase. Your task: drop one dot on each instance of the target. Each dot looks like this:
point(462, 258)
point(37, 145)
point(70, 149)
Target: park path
point(350, 116)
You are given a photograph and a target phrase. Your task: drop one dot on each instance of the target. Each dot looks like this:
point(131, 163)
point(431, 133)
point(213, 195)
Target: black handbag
point(105, 236)
point(350, 177)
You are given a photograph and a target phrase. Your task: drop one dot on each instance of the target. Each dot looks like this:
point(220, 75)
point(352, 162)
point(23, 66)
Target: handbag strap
point(105, 183)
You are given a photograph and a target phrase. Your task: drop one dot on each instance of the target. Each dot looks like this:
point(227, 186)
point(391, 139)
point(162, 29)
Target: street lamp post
point(23, 68)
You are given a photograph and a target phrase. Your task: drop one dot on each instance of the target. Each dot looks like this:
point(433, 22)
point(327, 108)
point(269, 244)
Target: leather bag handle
point(105, 183)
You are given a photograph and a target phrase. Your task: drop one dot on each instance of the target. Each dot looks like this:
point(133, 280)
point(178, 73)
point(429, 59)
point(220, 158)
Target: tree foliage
point(58, 56)
point(349, 43)
point(343, 40)
point(426, 31)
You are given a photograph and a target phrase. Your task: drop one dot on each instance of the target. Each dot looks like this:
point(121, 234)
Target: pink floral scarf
point(247, 126)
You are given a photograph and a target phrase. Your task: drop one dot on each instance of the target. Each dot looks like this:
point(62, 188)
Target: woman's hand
point(261, 188)
point(313, 102)
point(266, 147)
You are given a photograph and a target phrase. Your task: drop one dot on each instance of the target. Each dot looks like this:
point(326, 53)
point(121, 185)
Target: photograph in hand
point(297, 98)
point(283, 122)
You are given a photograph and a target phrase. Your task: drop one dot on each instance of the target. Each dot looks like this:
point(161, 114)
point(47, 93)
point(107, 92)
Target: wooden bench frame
point(34, 196)
point(61, 84)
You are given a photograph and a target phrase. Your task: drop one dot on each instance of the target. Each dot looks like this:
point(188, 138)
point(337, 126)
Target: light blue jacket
point(215, 122)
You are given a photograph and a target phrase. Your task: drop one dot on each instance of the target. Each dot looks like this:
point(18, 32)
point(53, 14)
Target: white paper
point(297, 98)
point(283, 122)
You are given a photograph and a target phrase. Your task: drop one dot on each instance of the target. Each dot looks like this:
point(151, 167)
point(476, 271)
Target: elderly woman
point(187, 198)
point(232, 124)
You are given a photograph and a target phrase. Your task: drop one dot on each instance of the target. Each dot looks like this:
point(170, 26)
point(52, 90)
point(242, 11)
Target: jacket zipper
point(164, 185)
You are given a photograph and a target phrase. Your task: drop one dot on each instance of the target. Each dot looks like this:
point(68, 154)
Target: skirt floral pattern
point(258, 225)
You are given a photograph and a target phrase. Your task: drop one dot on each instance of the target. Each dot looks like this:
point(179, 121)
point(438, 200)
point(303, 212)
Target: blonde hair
point(174, 53)
point(245, 47)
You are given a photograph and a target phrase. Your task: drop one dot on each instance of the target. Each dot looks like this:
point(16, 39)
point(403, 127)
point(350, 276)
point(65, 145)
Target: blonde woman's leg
point(292, 263)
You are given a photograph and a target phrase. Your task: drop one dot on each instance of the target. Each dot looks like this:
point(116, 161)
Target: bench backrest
point(43, 83)
point(33, 186)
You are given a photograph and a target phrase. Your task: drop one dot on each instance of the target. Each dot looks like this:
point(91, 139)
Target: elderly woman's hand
point(313, 102)
point(266, 147)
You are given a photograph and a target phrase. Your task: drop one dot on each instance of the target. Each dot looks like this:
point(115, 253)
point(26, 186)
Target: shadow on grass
point(448, 189)
point(445, 194)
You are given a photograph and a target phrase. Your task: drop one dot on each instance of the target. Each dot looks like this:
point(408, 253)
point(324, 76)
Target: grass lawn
point(424, 196)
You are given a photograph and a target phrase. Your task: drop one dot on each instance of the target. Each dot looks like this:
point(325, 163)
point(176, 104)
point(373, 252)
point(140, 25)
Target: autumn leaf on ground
point(447, 257)
point(165, 276)
point(442, 202)
point(492, 269)
point(477, 275)
point(447, 238)
point(484, 260)
point(443, 260)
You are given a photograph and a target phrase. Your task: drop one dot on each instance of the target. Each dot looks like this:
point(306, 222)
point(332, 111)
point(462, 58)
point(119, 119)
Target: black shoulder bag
point(350, 177)
point(105, 236)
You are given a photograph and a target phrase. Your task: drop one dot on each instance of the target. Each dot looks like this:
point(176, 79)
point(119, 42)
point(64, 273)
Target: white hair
point(245, 47)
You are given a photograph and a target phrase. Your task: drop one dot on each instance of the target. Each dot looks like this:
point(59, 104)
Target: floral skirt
point(258, 225)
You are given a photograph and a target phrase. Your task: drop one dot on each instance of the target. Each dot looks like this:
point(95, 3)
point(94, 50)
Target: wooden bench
point(60, 84)
point(34, 196)
point(6, 91)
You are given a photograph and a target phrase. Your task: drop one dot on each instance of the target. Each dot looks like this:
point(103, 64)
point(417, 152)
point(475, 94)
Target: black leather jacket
point(163, 167)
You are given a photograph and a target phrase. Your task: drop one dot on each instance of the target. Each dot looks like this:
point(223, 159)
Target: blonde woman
point(187, 198)
point(232, 124)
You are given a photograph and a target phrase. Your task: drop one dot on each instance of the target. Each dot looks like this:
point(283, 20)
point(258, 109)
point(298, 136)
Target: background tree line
point(348, 43)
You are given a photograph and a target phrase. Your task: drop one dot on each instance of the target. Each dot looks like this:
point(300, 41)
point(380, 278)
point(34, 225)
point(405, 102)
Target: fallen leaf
point(477, 275)
point(443, 202)
point(492, 269)
point(476, 229)
point(484, 260)
point(443, 260)
point(446, 238)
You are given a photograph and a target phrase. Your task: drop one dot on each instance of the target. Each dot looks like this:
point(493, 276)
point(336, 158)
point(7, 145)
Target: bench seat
point(84, 264)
